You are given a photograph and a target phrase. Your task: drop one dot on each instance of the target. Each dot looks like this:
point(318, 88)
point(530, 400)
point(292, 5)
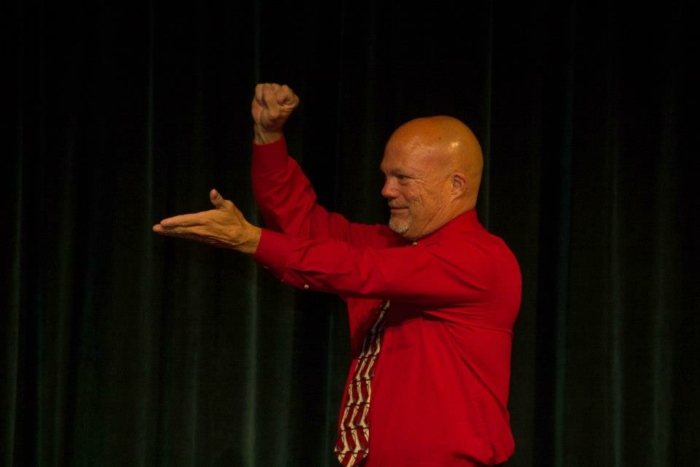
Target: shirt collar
point(463, 223)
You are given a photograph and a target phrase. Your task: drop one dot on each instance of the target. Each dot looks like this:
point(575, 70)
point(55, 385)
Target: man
point(432, 297)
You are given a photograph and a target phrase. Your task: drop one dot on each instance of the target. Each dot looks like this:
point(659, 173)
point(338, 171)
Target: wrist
point(249, 244)
point(263, 136)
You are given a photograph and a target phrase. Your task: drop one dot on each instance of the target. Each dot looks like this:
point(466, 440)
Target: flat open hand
point(224, 226)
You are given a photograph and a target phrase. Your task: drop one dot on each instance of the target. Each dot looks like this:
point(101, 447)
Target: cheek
point(411, 194)
point(416, 198)
point(429, 204)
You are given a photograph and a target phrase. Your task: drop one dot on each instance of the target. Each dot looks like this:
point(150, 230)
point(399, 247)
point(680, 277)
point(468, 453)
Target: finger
point(180, 233)
point(192, 233)
point(259, 93)
point(286, 97)
point(183, 220)
point(270, 98)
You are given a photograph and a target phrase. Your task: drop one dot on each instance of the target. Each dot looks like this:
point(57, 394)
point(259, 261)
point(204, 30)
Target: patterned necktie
point(353, 440)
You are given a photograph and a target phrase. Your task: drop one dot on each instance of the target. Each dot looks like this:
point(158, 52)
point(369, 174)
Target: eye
point(403, 179)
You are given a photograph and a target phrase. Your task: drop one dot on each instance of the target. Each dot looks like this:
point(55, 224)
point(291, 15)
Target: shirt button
point(414, 243)
point(306, 286)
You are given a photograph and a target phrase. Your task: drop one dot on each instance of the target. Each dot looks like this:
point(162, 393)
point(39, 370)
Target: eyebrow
point(396, 172)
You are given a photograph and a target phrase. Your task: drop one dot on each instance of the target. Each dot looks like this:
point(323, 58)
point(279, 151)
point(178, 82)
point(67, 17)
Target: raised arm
point(283, 193)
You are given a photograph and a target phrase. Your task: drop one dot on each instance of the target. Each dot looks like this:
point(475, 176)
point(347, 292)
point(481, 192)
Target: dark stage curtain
point(123, 348)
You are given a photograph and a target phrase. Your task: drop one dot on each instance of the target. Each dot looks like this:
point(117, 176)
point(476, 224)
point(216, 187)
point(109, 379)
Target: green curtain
point(122, 348)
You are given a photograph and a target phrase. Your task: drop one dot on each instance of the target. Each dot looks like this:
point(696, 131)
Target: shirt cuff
point(273, 249)
point(271, 156)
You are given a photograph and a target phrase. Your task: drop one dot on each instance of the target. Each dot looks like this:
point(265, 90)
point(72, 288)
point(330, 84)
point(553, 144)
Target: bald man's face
point(432, 168)
point(417, 187)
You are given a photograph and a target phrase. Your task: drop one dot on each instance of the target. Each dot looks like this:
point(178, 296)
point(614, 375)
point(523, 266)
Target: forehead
point(393, 162)
point(403, 152)
point(418, 160)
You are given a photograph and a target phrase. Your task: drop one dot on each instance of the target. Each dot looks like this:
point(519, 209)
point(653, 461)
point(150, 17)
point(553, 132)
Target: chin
point(400, 229)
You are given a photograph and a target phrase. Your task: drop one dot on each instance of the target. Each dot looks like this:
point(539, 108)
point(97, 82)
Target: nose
point(389, 189)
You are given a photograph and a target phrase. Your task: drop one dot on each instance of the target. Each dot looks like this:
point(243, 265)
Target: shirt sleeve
point(422, 274)
point(288, 203)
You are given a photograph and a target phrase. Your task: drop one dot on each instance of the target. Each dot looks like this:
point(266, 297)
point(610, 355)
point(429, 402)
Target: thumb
point(216, 199)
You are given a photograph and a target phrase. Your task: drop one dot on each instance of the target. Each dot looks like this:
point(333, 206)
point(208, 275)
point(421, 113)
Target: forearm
point(283, 193)
point(403, 273)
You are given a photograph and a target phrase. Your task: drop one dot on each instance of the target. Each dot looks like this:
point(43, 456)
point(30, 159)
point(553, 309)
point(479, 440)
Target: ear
point(459, 184)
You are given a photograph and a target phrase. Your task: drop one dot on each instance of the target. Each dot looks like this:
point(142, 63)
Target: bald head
point(433, 169)
point(445, 144)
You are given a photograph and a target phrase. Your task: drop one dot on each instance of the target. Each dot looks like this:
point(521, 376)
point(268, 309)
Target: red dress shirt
point(440, 390)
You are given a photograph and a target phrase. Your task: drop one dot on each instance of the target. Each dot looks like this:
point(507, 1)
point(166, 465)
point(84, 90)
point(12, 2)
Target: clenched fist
point(271, 107)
